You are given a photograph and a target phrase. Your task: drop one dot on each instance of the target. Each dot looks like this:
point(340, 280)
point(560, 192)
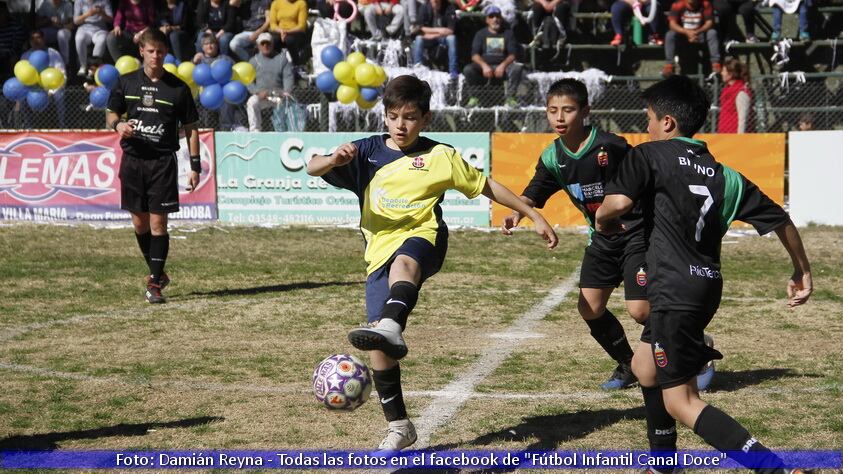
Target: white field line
point(443, 408)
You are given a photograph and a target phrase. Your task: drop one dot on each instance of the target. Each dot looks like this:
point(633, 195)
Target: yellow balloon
point(127, 64)
point(51, 78)
point(344, 73)
point(356, 58)
point(245, 72)
point(26, 73)
point(235, 76)
point(381, 76)
point(365, 75)
point(185, 72)
point(347, 94)
point(172, 69)
point(363, 104)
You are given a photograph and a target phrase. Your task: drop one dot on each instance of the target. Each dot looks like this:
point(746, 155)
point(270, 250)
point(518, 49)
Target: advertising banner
point(814, 190)
point(759, 156)
point(263, 178)
point(73, 176)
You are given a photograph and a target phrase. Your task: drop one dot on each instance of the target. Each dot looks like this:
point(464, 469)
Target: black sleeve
point(634, 176)
point(426, 16)
point(231, 19)
point(202, 16)
point(117, 100)
point(759, 210)
point(189, 114)
point(451, 18)
point(477, 44)
point(542, 186)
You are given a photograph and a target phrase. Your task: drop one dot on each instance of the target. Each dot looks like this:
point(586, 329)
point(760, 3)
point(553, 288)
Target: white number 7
point(702, 191)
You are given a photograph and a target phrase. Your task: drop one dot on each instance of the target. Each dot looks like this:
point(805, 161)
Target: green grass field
point(227, 362)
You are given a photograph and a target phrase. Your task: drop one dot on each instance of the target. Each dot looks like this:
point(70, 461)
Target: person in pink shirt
point(131, 19)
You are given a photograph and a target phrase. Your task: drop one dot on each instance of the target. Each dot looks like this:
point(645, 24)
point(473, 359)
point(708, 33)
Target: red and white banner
point(73, 176)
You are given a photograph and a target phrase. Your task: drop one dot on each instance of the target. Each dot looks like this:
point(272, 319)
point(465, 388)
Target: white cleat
point(401, 434)
point(385, 337)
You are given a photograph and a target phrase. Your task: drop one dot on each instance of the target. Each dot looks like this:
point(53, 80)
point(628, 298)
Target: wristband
point(115, 124)
point(195, 163)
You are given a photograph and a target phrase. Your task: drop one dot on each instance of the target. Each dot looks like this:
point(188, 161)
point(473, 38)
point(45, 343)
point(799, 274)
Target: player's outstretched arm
point(501, 195)
point(511, 221)
point(321, 164)
point(606, 218)
point(800, 286)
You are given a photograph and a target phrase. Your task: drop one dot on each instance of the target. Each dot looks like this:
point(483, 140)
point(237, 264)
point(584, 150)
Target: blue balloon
point(170, 59)
point(221, 71)
point(369, 94)
point(212, 97)
point(326, 82)
point(14, 90)
point(39, 59)
point(202, 75)
point(37, 99)
point(235, 92)
point(99, 97)
point(331, 55)
point(108, 75)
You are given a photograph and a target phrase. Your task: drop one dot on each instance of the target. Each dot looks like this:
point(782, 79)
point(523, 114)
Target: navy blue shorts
point(430, 258)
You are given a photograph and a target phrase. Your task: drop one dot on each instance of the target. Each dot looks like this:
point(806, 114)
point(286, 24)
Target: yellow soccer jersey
point(400, 192)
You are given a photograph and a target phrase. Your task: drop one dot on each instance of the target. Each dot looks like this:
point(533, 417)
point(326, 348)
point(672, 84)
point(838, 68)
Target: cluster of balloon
point(222, 81)
point(352, 78)
point(107, 76)
point(32, 79)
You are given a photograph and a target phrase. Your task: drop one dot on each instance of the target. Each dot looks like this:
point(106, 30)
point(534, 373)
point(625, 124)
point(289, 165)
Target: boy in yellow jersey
point(400, 179)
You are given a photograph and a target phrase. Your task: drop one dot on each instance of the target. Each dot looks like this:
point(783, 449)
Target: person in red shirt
point(735, 98)
point(691, 21)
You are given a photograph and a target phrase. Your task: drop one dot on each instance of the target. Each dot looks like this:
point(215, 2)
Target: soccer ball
point(342, 382)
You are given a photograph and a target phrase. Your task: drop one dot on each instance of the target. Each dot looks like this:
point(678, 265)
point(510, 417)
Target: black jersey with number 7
point(689, 200)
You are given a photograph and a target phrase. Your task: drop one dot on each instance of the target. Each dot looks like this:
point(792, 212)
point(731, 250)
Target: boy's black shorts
point(604, 267)
point(678, 344)
point(149, 185)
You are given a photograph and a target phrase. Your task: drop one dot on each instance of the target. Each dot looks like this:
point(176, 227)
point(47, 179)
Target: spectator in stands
point(326, 8)
point(411, 17)
point(210, 52)
point(691, 21)
point(12, 37)
point(55, 19)
point(274, 78)
point(806, 122)
point(438, 21)
point(257, 23)
point(805, 8)
point(549, 21)
point(622, 12)
point(493, 54)
point(92, 18)
point(372, 9)
point(131, 19)
point(175, 20)
point(728, 19)
point(38, 42)
point(219, 18)
point(288, 26)
point(735, 98)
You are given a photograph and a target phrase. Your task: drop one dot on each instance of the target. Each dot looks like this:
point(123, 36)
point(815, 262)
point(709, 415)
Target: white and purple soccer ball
point(342, 382)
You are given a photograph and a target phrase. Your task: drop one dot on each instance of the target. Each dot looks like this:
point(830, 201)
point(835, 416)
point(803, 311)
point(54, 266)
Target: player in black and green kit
point(688, 201)
point(580, 161)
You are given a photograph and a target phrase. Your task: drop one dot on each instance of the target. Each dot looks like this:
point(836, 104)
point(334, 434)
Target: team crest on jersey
point(641, 277)
point(603, 157)
point(660, 355)
point(418, 162)
point(148, 100)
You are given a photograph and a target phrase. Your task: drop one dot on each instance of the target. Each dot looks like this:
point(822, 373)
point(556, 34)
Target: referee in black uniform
point(146, 108)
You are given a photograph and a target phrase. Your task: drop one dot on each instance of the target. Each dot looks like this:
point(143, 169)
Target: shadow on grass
point(303, 285)
point(544, 433)
point(49, 441)
point(731, 380)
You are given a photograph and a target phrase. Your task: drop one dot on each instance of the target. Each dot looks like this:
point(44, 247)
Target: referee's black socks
point(159, 246)
point(725, 434)
point(388, 385)
point(403, 296)
point(609, 333)
point(143, 243)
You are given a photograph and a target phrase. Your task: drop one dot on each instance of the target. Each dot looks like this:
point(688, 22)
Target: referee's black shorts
point(149, 184)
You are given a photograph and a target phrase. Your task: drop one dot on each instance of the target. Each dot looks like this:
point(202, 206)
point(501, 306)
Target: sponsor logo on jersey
point(641, 277)
point(660, 355)
point(602, 157)
point(147, 129)
point(148, 100)
point(418, 162)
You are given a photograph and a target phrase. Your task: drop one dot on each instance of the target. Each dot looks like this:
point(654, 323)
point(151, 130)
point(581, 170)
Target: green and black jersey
point(583, 176)
point(688, 201)
point(156, 109)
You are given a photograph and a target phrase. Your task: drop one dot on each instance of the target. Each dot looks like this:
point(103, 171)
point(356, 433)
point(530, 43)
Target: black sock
point(725, 434)
point(661, 427)
point(143, 243)
point(159, 246)
point(608, 332)
point(388, 385)
point(402, 299)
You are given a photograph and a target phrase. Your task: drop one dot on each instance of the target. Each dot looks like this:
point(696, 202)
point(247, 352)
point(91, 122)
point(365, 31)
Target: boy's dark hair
point(152, 35)
point(572, 88)
point(405, 90)
point(681, 98)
